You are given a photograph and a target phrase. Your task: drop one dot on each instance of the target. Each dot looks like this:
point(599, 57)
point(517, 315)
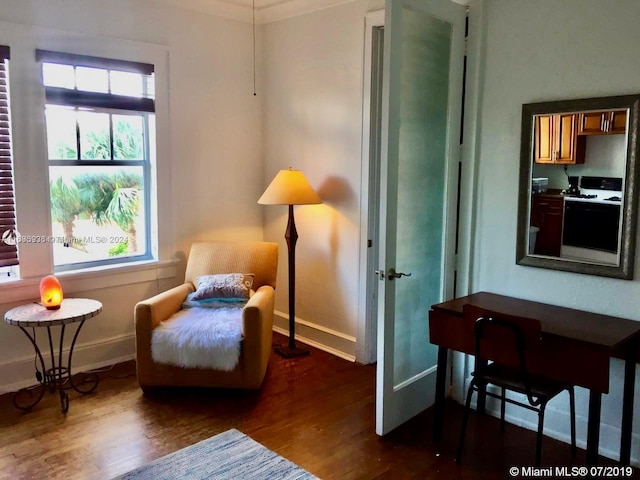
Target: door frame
point(367, 327)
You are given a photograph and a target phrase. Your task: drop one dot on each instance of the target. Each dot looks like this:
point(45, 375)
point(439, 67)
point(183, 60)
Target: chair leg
point(539, 439)
point(465, 420)
point(502, 408)
point(572, 412)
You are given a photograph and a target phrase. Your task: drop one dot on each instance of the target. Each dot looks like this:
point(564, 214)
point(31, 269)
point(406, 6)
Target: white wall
point(542, 51)
point(312, 120)
point(209, 167)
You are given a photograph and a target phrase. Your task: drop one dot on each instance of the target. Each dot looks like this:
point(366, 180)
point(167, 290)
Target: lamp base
point(288, 352)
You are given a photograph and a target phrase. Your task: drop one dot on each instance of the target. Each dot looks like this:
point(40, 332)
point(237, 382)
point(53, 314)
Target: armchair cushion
point(199, 338)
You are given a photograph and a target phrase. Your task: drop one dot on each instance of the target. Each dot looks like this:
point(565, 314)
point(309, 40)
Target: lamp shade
point(289, 187)
point(50, 292)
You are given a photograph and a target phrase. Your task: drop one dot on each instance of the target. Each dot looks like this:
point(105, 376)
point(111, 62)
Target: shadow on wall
point(326, 275)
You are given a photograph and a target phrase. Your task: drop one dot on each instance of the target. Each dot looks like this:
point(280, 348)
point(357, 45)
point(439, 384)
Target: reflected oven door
point(591, 225)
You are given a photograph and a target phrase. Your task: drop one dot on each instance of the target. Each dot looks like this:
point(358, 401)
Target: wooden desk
point(578, 347)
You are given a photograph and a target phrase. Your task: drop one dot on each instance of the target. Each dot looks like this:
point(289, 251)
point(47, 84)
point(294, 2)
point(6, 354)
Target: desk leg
point(441, 378)
point(593, 429)
point(627, 406)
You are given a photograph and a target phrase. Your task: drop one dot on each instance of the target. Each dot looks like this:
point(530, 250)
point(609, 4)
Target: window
point(100, 127)
point(8, 248)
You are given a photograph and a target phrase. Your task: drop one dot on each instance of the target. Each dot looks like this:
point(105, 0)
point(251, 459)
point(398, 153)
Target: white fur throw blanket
point(199, 338)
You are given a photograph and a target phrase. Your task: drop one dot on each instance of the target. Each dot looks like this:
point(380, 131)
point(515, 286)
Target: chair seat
point(511, 379)
point(199, 338)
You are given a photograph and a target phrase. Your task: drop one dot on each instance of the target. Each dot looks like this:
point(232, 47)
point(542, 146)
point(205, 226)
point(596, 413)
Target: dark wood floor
point(317, 411)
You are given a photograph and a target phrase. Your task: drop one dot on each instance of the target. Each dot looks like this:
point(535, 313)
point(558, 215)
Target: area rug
point(229, 455)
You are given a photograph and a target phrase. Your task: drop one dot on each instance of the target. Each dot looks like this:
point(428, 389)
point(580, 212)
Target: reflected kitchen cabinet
point(603, 123)
point(557, 141)
point(546, 214)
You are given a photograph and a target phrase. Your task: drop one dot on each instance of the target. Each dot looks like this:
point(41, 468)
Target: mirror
point(577, 204)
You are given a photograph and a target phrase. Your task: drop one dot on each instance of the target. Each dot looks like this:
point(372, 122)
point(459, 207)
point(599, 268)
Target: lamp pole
point(291, 236)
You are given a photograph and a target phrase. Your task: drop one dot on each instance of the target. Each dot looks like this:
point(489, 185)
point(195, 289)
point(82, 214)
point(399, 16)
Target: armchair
point(258, 258)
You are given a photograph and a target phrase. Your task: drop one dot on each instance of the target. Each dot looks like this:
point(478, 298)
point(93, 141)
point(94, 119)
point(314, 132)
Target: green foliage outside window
point(104, 197)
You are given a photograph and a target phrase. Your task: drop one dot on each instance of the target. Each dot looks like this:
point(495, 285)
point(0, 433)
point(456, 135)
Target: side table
point(58, 378)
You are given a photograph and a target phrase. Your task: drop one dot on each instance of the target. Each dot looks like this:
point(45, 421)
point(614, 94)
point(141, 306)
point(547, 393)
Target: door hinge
point(369, 244)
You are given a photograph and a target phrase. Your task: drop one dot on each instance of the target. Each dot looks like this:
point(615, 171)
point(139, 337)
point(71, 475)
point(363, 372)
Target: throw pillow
point(225, 285)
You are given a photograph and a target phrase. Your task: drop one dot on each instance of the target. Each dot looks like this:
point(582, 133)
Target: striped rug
point(229, 455)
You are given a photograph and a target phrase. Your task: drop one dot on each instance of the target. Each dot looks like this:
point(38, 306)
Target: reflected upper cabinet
point(603, 123)
point(577, 206)
point(556, 139)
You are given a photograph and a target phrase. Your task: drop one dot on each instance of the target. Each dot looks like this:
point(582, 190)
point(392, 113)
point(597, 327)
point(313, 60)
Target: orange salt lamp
point(50, 292)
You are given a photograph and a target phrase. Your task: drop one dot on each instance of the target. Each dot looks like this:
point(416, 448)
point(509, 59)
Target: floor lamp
point(290, 187)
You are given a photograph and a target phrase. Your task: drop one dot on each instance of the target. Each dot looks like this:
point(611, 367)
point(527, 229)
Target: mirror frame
point(629, 211)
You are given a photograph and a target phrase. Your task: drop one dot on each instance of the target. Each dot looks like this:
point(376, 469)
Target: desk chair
point(510, 343)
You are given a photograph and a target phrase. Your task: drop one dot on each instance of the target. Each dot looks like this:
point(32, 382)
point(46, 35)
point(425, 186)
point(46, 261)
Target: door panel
point(422, 88)
point(421, 177)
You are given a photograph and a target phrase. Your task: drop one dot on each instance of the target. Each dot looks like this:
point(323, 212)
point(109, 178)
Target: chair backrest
point(505, 339)
point(258, 258)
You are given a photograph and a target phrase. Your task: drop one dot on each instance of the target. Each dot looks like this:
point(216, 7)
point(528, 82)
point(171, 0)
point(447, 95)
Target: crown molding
point(234, 10)
point(266, 11)
point(292, 8)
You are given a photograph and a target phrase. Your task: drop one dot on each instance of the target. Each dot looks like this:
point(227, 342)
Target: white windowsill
point(17, 290)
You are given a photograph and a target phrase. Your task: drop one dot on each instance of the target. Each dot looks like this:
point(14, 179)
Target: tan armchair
point(259, 258)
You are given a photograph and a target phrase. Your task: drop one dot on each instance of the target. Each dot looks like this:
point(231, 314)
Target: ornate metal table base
point(58, 378)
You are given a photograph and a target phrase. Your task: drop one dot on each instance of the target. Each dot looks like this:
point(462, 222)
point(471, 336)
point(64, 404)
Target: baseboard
point(609, 434)
point(20, 373)
point(323, 338)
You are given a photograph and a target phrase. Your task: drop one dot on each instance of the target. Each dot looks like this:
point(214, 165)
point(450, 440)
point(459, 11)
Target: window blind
point(80, 98)
point(8, 247)
point(97, 62)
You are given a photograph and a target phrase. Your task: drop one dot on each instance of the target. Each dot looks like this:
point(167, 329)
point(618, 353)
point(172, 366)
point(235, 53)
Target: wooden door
point(420, 135)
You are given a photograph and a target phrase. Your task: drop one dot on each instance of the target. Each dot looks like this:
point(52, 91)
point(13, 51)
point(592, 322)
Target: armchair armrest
point(148, 314)
point(257, 330)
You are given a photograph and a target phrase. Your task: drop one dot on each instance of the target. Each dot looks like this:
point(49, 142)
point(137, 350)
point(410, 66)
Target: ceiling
point(265, 10)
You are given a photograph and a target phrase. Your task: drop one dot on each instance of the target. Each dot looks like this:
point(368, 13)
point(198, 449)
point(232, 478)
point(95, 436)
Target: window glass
point(55, 75)
point(95, 140)
point(97, 213)
point(127, 137)
point(126, 83)
point(92, 79)
point(150, 86)
point(61, 132)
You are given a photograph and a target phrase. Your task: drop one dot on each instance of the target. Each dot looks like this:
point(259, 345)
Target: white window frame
point(30, 151)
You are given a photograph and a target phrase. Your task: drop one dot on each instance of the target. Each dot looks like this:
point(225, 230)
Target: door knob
point(393, 274)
